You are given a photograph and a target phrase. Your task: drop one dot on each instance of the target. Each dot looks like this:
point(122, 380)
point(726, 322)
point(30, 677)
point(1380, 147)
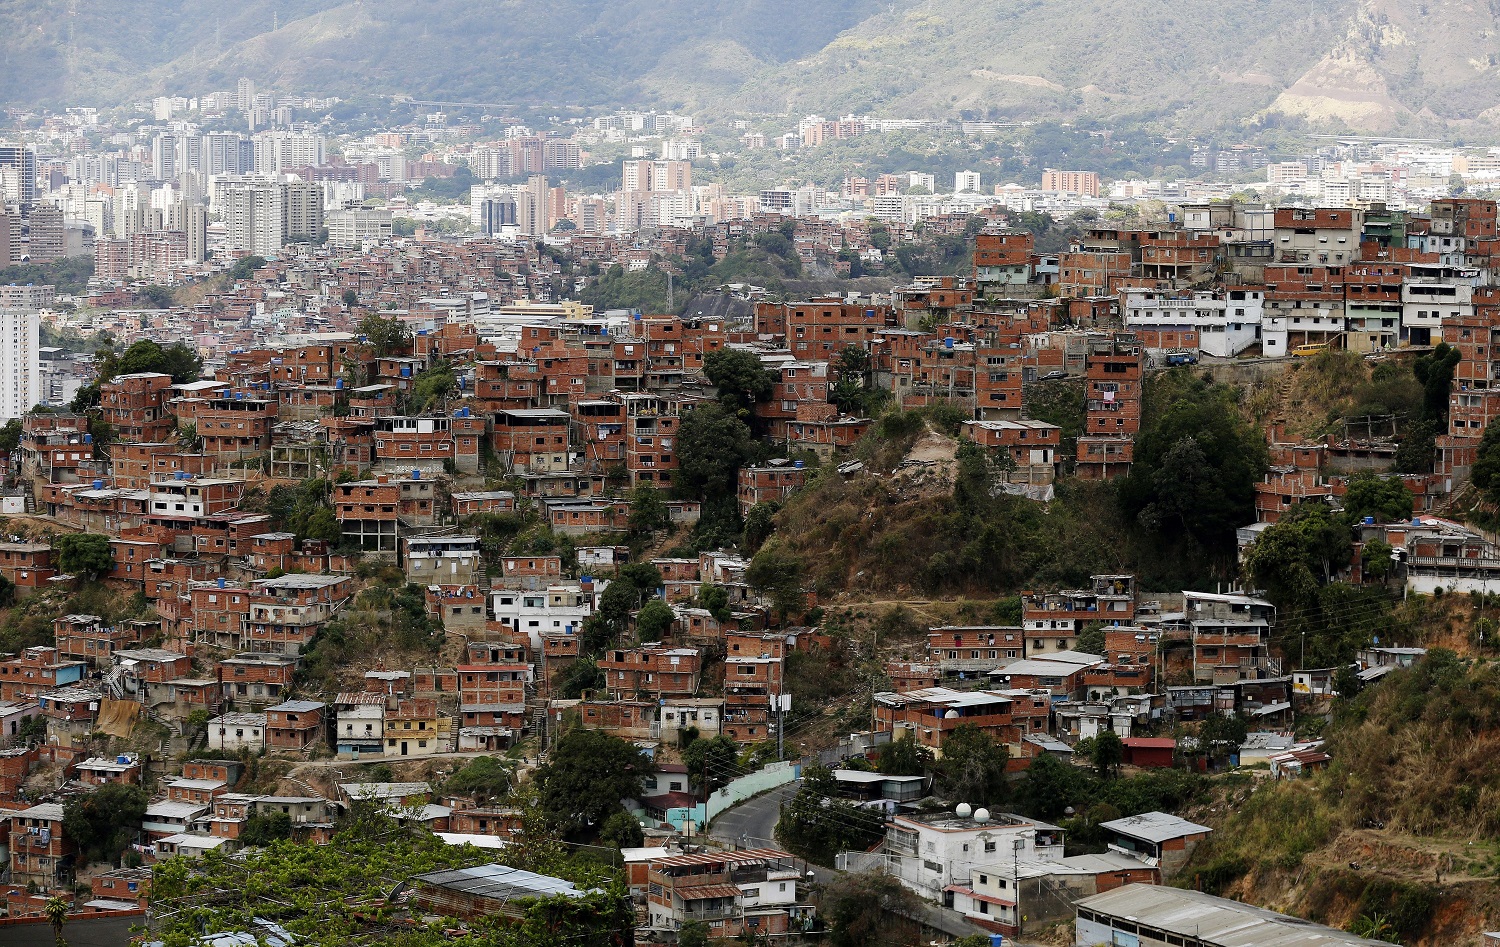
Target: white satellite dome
point(982, 815)
point(963, 810)
point(951, 715)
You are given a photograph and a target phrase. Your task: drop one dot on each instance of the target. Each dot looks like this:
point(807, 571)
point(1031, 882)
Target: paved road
point(755, 818)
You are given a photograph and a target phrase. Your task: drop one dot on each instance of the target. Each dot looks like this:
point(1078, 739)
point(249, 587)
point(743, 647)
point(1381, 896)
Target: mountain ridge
point(1374, 65)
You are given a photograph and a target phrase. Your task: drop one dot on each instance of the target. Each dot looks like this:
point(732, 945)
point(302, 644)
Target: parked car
point(1182, 358)
point(1054, 375)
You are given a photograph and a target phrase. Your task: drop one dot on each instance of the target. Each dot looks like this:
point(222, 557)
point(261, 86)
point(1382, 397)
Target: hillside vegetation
point(928, 515)
point(1401, 835)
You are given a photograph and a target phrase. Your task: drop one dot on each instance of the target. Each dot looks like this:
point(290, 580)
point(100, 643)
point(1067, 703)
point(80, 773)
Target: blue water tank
point(98, 484)
point(123, 760)
point(224, 393)
point(1369, 521)
point(948, 342)
point(338, 384)
point(797, 464)
point(88, 438)
point(405, 371)
point(416, 475)
point(221, 582)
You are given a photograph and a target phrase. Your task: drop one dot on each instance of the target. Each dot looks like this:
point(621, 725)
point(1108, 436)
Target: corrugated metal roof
point(1154, 826)
point(715, 858)
point(707, 892)
point(1215, 920)
point(500, 883)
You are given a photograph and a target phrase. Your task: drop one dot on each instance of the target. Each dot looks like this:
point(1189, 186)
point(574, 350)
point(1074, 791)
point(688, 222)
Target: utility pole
point(780, 727)
point(1015, 848)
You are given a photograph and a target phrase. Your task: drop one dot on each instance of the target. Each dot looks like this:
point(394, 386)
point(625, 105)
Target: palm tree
point(56, 910)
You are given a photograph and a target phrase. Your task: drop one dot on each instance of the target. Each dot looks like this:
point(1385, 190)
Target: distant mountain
point(1364, 64)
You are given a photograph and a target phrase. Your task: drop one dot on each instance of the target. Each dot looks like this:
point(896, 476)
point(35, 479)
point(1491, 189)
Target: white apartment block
point(929, 853)
point(358, 227)
point(284, 151)
point(560, 609)
point(966, 181)
point(253, 217)
point(1226, 324)
point(1427, 304)
point(20, 368)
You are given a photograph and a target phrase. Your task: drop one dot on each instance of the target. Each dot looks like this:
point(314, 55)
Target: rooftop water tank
point(98, 484)
point(416, 475)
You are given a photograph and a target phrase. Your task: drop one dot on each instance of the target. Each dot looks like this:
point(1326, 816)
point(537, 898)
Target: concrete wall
point(752, 784)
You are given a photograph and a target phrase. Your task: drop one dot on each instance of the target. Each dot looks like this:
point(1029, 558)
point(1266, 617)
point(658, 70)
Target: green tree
point(716, 760)
point(10, 435)
point(83, 554)
point(583, 675)
point(740, 379)
point(1376, 560)
point(245, 267)
point(778, 574)
point(146, 356)
point(56, 910)
point(693, 934)
point(1385, 498)
point(1197, 462)
point(1222, 734)
point(1091, 639)
point(156, 297)
point(972, 767)
point(385, 336)
point(647, 511)
point(621, 830)
point(267, 828)
point(1435, 371)
point(104, 822)
point(712, 445)
point(586, 777)
point(431, 386)
point(1486, 471)
point(1108, 754)
point(715, 599)
point(817, 825)
point(1295, 555)
point(351, 299)
point(484, 777)
point(322, 524)
point(1051, 786)
point(759, 525)
point(904, 757)
point(871, 909)
point(854, 389)
point(654, 620)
